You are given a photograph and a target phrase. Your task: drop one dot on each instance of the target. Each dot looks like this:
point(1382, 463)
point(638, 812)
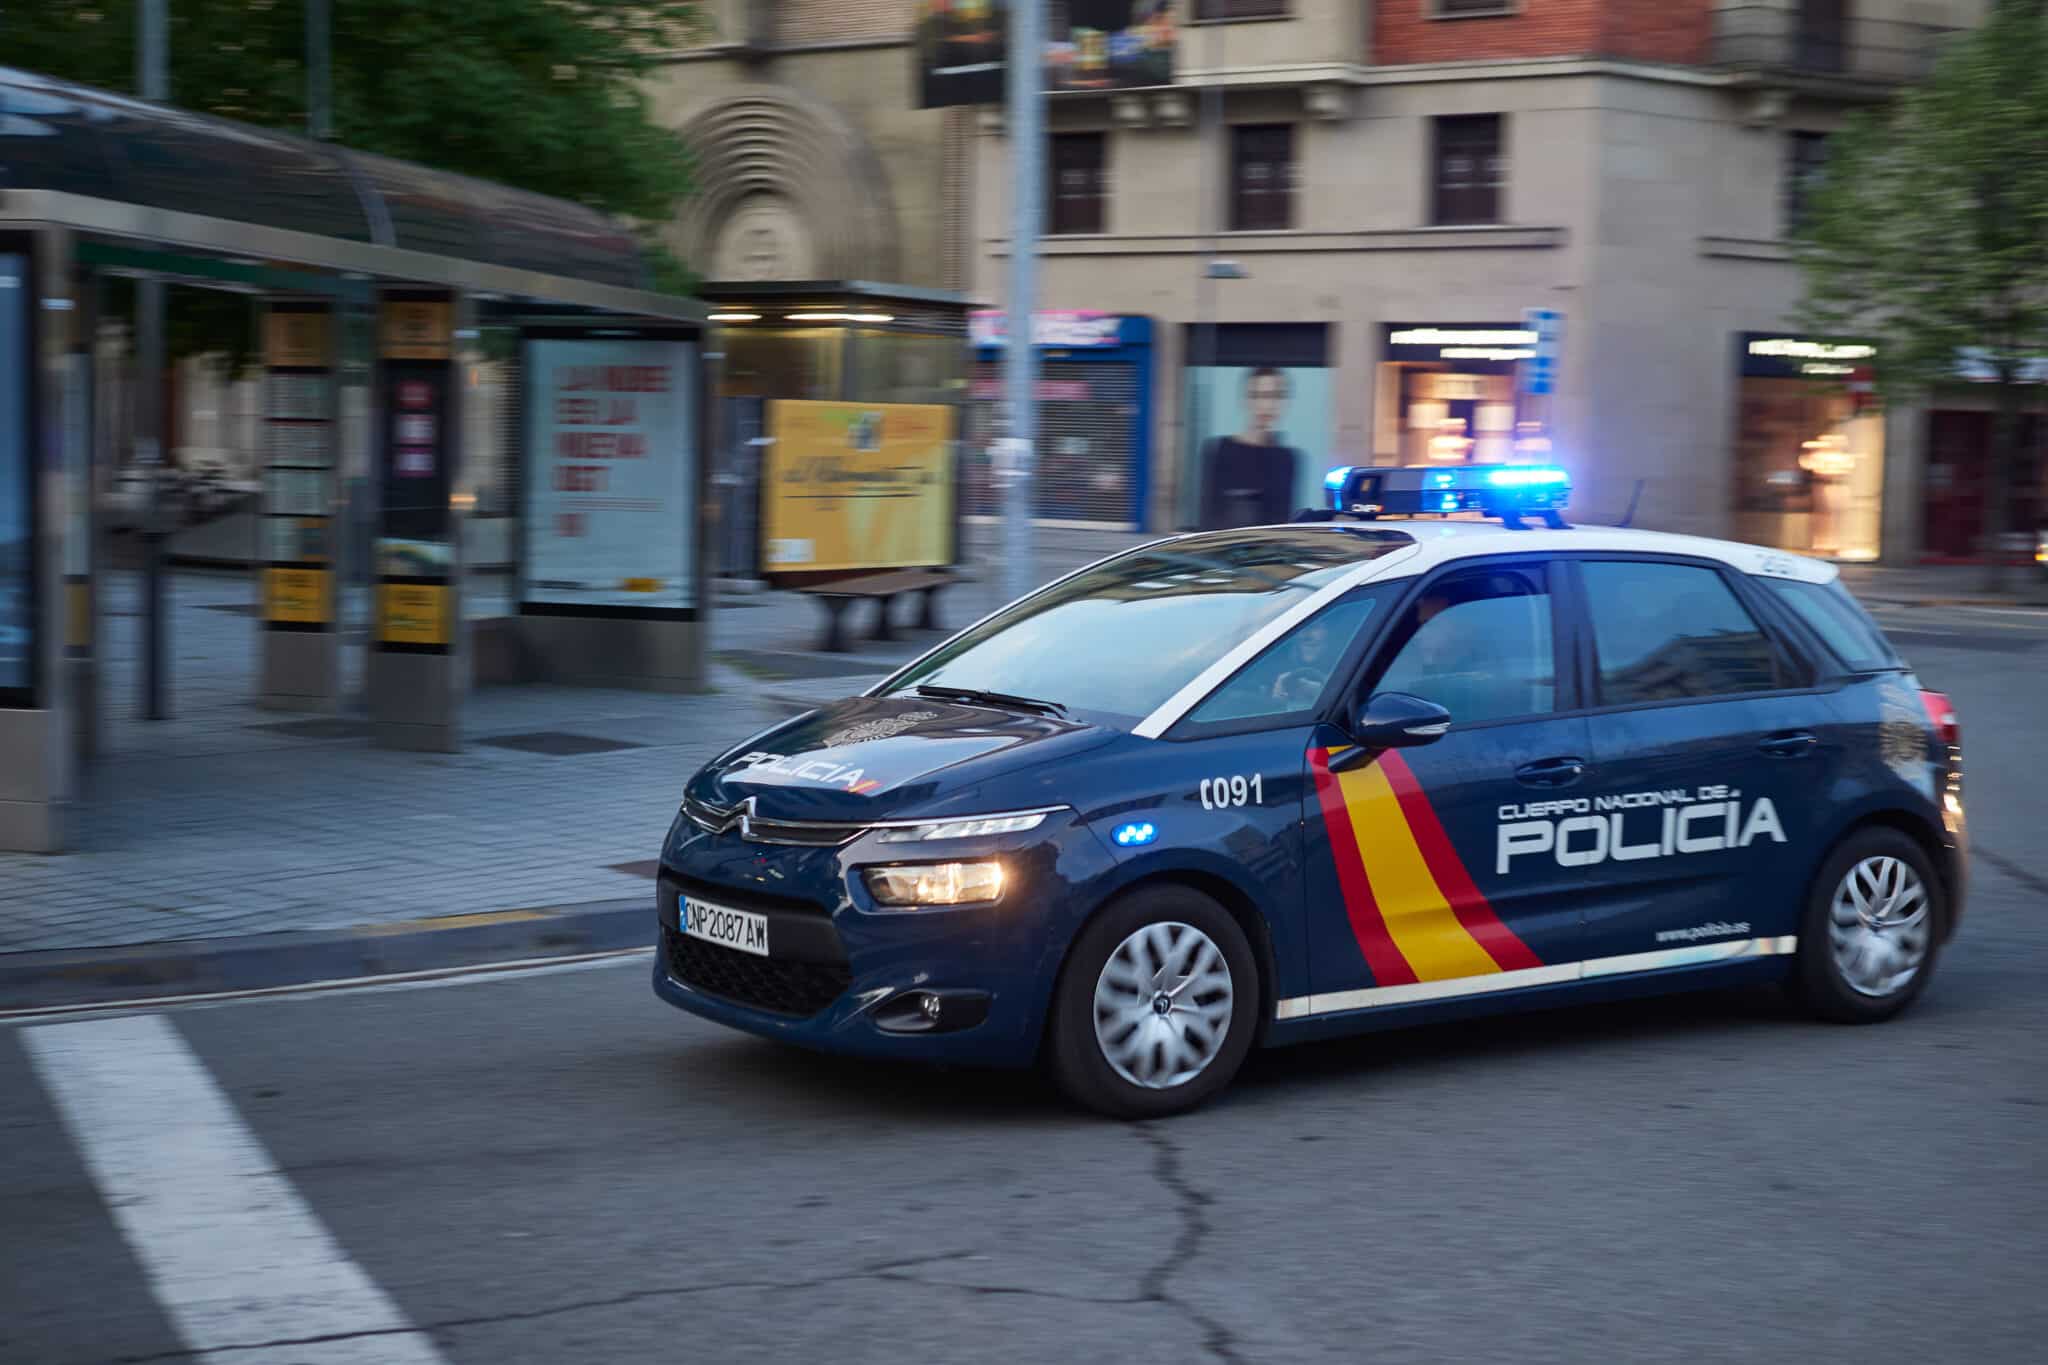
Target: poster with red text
point(611, 471)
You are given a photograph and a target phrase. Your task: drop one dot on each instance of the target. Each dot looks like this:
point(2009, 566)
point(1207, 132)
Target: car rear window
point(1840, 621)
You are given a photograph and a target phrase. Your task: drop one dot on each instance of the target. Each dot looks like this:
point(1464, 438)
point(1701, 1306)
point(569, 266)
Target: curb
point(187, 967)
point(2010, 603)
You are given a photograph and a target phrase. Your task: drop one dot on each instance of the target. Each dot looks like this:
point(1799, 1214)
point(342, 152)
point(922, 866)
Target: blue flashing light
point(1131, 835)
point(1444, 478)
point(1450, 502)
point(1527, 477)
point(1336, 477)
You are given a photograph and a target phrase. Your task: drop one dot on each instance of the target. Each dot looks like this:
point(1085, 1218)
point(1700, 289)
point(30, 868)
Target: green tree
point(546, 95)
point(1929, 232)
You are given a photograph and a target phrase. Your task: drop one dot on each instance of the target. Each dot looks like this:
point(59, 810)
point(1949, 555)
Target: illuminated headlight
point(962, 829)
point(936, 883)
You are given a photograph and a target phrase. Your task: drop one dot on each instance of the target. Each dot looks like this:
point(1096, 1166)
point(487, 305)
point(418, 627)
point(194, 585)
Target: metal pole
point(1202, 373)
point(319, 78)
point(152, 79)
point(1027, 205)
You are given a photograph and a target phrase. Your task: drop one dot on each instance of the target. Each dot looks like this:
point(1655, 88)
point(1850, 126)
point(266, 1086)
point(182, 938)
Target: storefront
point(1809, 446)
point(1094, 418)
point(1445, 393)
point(1962, 428)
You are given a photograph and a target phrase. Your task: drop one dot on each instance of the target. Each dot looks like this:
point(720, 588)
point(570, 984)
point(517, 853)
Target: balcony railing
point(1784, 40)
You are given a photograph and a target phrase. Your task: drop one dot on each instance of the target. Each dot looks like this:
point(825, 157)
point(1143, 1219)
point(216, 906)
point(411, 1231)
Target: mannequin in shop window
point(1827, 461)
point(1248, 479)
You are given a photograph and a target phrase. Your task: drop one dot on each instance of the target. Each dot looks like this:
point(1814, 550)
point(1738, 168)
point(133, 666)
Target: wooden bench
point(882, 589)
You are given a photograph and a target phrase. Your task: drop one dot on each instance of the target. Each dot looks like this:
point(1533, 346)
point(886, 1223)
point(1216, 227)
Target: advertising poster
point(610, 506)
point(857, 486)
point(16, 545)
point(963, 48)
point(1265, 443)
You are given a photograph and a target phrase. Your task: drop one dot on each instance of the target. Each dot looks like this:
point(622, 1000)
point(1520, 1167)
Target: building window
point(1823, 35)
point(1805, 158)
point(1262, 177)
point(1209, 10)
point(1469, 169)
point(1080, 186)
point(1472, 9)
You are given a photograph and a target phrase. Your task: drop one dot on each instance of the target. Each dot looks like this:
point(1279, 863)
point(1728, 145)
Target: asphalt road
point(556, 1168)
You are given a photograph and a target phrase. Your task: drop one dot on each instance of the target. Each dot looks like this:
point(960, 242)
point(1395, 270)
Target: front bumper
point(846, 976)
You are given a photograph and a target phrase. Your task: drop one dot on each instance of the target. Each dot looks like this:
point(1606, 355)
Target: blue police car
point(1251, 787)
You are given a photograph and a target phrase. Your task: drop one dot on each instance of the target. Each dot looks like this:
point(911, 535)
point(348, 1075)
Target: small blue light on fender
point(1131, 835)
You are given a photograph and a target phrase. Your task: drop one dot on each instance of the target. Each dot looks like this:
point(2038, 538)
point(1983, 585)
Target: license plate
point(726, 927)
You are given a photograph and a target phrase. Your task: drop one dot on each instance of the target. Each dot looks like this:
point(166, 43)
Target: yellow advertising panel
point(857, 486)
point(412, 613)
point(415, 329)
point(295, 339)
point(298, 595)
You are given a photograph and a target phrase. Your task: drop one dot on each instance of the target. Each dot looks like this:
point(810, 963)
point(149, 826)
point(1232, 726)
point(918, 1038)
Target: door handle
point(1551, 772)
point(1791, 744)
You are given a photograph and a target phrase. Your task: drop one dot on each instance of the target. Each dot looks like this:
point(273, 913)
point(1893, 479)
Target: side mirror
point(1397, 720)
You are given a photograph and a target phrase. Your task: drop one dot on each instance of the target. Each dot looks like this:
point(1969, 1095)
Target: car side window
point(1477, 643)
point(1289, 678)
point(1669, 632)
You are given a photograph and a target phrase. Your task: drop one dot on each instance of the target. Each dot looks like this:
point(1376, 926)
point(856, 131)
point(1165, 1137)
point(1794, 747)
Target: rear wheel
point(1872, 927)
point(1155, 1007)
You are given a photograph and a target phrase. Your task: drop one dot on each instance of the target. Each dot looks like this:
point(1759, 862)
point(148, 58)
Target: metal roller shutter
point(1087, 442)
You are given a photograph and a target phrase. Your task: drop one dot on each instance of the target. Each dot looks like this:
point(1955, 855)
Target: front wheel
point(1155, 1007)
point(1872, 926)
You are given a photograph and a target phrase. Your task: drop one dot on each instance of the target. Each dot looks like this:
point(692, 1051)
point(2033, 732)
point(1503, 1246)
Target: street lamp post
point(1026, 117)
point(153, 82)
point(1202, 372)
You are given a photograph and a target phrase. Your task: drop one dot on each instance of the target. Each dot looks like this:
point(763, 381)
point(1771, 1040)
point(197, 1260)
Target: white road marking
point(232, 1252)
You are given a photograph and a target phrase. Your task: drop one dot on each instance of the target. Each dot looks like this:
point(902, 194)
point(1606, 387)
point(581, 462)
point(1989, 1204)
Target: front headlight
point(971, 827)
point(936, 883)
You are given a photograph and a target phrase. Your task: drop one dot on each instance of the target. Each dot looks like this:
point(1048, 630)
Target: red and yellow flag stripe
point(1414, 909)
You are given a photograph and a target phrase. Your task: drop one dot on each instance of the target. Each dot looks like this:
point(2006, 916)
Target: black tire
point(1075, 1056)
point(1820, 984)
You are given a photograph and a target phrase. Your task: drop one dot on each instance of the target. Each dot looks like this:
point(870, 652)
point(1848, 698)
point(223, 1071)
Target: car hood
point(868, 758)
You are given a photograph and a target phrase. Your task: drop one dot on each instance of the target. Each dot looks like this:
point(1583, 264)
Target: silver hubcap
point(1879, 926)
point(1163, 1005)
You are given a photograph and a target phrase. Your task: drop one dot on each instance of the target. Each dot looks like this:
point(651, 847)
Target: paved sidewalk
point(231, 820)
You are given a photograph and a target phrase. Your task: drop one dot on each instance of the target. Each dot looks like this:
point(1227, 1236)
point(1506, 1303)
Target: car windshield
point(1123, 637)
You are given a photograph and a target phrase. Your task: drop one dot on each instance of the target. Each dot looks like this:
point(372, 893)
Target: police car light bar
point(1509, 492)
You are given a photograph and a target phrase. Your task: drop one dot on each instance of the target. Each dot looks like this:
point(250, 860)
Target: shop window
point(1806, 156)
point(1469, 169)
point(1262, 177)
point(1080, 183)
point(1809, 461)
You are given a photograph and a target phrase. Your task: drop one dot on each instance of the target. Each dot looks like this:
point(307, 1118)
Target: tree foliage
point(1928, 234)
point(546, 95)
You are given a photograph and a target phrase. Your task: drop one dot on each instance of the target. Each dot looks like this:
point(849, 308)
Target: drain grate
point(559, 743)
point(318, 727)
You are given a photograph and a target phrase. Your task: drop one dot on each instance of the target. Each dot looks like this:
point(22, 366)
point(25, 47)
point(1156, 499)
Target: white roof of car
point(1438, 541)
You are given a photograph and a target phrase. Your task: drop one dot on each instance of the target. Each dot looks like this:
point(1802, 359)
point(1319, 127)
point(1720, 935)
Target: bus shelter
point(838, 436)
point(382, 290)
